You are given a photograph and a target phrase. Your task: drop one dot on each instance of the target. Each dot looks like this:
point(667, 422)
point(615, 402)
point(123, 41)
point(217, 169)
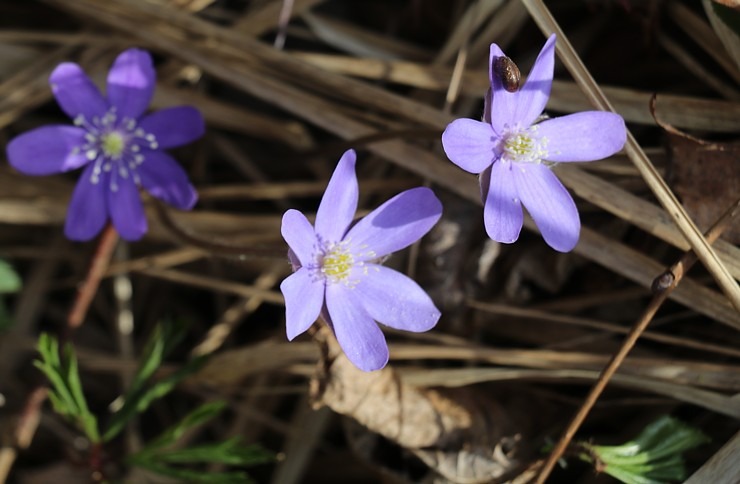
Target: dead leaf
point(463, 434)
point(706, 176)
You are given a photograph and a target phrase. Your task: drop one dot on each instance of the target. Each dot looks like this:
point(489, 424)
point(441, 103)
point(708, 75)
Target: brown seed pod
point(508, 72)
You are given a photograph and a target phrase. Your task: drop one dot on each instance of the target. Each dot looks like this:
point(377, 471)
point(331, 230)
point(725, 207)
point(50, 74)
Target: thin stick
point(30, 416)
point(211, 246)
point(544, 19)
point(663, 285)
point(86, 292)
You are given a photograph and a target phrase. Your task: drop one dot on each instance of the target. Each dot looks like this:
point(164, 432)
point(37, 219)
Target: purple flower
point(514, 155)
point(119, 145)
point(338, 272)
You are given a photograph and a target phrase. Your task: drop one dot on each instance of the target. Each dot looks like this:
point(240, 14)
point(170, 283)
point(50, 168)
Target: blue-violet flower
point(120, 146)
point(338, 274)
point(514, 155)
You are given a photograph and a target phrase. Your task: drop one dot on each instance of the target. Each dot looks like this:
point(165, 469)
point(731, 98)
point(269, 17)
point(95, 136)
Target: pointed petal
point(535, 92)
point(525, 105)
point(126, 209)
point(358, 335)
point(304, 298)
point(396, 224)
point(163, 177)
point(549, 204)
point(586, 136)
point(47, 150)
point(339, 203)
point(76, 93)
point(470, 144)
point(131, 83)
point(300, 236)
point(501, 105)
point(174, 127)
point(502, 213)
point(88, 208)
point(395, 300)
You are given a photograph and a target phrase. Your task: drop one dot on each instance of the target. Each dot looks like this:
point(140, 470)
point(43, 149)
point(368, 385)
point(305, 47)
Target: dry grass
point(524, 330)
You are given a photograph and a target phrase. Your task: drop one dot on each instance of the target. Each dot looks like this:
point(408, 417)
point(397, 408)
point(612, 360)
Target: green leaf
point(140, 402)
point(200, 415)
point(654, 456)
point(138, 398)
point(629, 477)
point(9, 279)
point(152, 359)
point(66, 393)
point(156, 457)
point(230, 452)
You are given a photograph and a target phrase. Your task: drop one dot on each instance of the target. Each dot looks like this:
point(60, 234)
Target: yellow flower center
point(337, 263)
point(112, 144)
point(525, 146)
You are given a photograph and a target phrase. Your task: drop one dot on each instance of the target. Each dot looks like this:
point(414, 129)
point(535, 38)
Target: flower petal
point(174, 127)
point(47, 150)
point(304, 298)
point(131, 83)
point(501, 105)
point(163, 177)
point(395, 300)
point(88, 208)
point(586, 136)
point(300, 236)
point(502, 213)
point(339, 203)
point(358, 335)
point(76, 93)
point(396, 224)
point(525, 105)
point(126, 209)
point(470, 144)
point(535, 92)
point(550, 205)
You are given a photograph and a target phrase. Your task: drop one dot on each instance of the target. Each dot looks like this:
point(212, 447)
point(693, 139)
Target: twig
point(95, 273)
point(30, 416)
point(663, 285)
point(544, 19)
point(27, 424)
point(209, 245)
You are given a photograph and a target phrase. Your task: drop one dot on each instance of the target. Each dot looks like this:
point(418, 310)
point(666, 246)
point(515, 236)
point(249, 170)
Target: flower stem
point(31, 413)
point(89, 287)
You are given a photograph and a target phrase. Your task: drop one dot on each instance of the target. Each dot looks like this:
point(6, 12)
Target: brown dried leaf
point(729, 3)
point(707, 178)
point(444, 428)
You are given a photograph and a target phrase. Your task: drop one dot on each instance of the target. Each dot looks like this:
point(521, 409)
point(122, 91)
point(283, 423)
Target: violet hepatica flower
point(514, 154)
point(338, 272)
point(120, 146)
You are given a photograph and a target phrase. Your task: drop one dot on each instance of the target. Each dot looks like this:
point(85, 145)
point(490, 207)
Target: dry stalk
point(662, 286)
point(665, 196)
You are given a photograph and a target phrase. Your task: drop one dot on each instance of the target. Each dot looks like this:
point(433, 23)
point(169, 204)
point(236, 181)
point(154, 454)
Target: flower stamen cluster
point(335, 263)
point(114, 146)
point(525, 146)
